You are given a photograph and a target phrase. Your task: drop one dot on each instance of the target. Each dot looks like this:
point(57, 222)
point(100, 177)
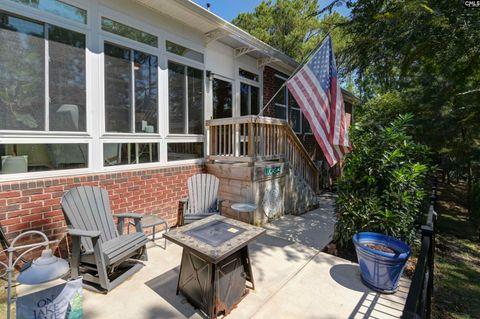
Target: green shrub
point(383, 187)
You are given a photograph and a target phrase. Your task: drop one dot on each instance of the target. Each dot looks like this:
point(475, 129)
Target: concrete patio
point(294, 279)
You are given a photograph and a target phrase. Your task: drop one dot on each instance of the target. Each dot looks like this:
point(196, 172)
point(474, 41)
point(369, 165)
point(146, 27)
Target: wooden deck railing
point(251, 138)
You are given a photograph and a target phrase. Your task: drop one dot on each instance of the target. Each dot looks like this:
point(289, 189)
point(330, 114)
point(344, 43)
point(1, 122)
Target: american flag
point(315, 88)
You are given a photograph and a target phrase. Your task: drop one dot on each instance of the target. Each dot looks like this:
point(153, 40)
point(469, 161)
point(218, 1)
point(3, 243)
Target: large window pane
point(185, 151)
point(249, 99)
point(222, 99)
point(129, 32)
point(244, 99)
point(281, 97)
point(22, 158)
point(305, 125)
point(281, 112)
point(185, 85)
point(118, 87)
point(295, 120)
point(129, 153)
point(254, 100)
point(176, 98)
point(22, 72)
point(248, 75)
point(59, 8)
point(147, 152)
point(146, 92)
point(183, 51)
point(195, 101)
point(67, 80)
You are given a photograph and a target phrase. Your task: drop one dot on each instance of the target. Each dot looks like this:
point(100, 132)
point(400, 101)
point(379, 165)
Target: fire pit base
point(215, 288)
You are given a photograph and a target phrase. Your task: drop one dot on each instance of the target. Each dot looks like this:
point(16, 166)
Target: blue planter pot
point(381, 271)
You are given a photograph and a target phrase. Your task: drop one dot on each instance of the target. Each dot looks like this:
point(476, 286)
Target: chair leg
point(104, 281)
point(75, 258)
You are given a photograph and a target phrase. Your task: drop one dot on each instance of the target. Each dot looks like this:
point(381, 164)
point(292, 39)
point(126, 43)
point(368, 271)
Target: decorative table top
point(215, 237)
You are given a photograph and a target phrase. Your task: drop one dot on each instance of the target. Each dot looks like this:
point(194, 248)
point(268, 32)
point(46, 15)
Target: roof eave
point(238, 33)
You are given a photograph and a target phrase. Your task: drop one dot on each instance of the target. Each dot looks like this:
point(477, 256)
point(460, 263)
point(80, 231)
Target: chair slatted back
point(202, 193)
point(88, 208)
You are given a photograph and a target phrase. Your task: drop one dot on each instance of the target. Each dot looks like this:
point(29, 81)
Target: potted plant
point(382, 260)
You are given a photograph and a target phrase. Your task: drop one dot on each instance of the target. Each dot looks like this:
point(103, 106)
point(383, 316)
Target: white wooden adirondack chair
point(202, 200)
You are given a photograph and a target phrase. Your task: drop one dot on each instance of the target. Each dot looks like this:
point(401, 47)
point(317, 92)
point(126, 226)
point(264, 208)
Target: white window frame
point(39, 16)
point(54, 137)
point(232, 83)
point(288, 107)
point(119, 42)
point(250, 85)
point(95, 135)
point(285, 105)
point(171, 57)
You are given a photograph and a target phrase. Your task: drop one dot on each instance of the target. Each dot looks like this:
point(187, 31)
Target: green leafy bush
point(383, 187)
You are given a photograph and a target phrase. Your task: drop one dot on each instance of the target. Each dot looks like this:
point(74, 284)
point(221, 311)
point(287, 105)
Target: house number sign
point(273, 170)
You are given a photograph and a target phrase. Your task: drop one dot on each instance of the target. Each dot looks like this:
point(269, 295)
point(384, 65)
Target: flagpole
point(305, 60)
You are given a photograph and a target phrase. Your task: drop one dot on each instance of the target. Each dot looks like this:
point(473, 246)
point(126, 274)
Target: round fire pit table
point(245, 208)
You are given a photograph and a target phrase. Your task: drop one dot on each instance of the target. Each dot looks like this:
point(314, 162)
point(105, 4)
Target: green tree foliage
point(383, 186)
point(427, 53)
point(292, 26)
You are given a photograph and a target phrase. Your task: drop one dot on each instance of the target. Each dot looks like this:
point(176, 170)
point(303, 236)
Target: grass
point(457, 272)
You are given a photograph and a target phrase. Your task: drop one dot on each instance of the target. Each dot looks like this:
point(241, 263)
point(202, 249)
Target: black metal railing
point(419, 299)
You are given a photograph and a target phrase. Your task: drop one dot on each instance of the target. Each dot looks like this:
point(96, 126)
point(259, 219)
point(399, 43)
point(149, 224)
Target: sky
point(229, 9)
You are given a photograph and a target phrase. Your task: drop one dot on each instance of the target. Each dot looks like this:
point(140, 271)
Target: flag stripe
point(317, 91)
point(318, 97)
point(307, 92)
point(317, 130)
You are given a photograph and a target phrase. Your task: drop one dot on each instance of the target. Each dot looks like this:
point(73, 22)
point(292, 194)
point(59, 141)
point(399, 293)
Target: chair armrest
point(121, 221)
point(84, 233)
point(130, 215)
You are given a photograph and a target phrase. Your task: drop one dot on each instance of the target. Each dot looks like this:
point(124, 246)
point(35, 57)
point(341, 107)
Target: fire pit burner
point(215, 232)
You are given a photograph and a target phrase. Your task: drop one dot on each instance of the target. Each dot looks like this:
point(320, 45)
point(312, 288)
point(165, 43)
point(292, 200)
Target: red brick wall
point(269, 90)
point(35, 204)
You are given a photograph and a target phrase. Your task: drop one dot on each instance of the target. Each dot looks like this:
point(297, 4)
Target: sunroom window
point(129, 32)
point(222, 98)
point(22, 158)
point(185, 96)
point(129, 153)
point(185, 151)
point(248, 75)
point(184, 51)
point(249, 99)
point(31, 97)
point(131, 90)
point(59, 8)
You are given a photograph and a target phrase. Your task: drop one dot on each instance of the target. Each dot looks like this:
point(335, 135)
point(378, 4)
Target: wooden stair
point(254, 139)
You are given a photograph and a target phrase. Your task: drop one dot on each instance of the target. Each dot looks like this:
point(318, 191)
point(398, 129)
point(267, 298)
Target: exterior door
point(222, 98)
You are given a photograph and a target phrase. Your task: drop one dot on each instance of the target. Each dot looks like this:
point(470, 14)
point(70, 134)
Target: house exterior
point(115, 93)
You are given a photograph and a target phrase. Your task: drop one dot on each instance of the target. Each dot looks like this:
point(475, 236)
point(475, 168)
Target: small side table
point(154, 221)
point(245, 208)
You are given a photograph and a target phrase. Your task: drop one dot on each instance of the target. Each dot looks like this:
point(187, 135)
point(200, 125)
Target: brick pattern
point(269, 90)
point(35, 205)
